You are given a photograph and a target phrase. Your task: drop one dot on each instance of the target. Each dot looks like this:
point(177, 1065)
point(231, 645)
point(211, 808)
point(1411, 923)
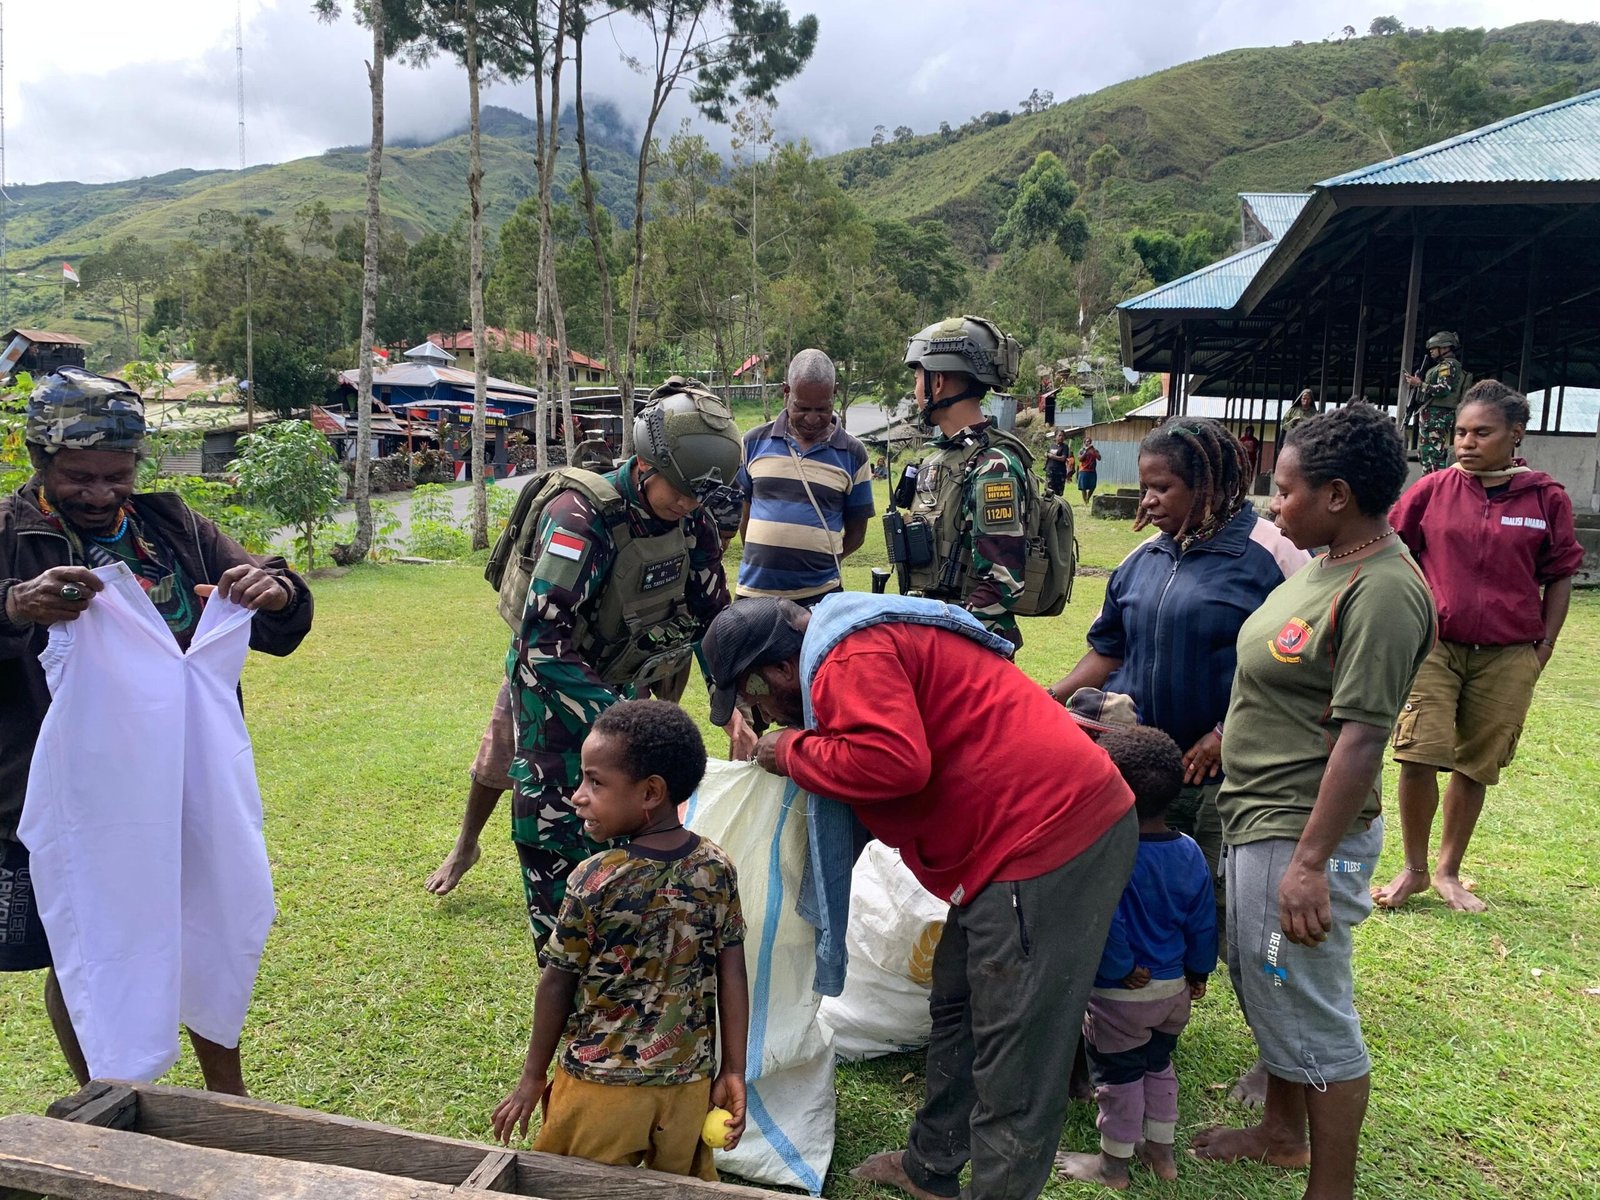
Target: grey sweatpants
point(1011, 978)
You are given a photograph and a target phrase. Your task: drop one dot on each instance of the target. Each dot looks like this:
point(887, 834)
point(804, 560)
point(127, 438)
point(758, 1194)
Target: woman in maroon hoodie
point(1495, 539)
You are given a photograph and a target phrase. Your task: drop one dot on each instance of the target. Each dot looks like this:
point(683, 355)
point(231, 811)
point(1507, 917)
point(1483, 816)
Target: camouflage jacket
point(556, 694)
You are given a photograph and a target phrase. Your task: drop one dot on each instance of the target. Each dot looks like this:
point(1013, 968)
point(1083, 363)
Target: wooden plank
point(83, 1162)
point(496, 1173)
point(282, 1131)
point(101, 1102)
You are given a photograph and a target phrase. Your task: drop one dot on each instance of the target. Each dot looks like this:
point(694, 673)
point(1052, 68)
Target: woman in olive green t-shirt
point(1324, 666)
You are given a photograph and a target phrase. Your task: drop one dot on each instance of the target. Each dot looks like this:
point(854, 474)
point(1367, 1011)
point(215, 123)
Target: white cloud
point(142, 88)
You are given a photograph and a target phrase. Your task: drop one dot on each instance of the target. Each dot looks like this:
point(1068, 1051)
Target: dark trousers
point(1011, 978)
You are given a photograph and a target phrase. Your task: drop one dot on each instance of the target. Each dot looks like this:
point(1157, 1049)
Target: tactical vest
point(1460, 377)
point(639, 631)
point(931, 546)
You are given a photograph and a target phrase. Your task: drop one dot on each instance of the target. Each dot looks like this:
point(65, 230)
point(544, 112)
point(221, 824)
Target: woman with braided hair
point(1166, 633)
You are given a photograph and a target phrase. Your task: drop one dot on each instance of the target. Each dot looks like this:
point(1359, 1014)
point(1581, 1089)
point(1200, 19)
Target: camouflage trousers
point(553, 716)
point(1435, 437)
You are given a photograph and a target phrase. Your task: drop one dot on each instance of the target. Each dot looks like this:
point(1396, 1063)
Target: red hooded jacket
point(1487, 558)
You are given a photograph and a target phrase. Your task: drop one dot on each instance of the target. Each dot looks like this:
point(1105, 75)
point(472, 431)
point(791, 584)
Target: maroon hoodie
point(1487, 558)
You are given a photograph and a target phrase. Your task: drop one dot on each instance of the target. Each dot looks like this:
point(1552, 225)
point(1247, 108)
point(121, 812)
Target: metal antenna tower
point(249, 298)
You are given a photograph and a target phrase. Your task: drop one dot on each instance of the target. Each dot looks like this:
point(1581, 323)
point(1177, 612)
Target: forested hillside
point(1188, 138)
point(1043, 218)
point(424, 190)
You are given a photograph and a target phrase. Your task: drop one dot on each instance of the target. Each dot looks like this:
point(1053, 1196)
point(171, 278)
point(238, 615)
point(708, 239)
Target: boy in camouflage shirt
point(648, 947)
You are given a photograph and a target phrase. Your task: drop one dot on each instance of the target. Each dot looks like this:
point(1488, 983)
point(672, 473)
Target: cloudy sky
point(100, 90)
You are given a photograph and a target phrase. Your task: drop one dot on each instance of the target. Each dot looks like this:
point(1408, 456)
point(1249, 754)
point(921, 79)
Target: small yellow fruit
point(715, 1131)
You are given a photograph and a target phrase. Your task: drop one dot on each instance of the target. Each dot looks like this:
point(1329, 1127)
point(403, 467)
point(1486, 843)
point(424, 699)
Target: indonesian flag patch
point(567, 545)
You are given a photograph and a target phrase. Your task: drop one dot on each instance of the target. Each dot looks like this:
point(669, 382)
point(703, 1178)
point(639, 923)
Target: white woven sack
point(895, 926)
point(760, 820)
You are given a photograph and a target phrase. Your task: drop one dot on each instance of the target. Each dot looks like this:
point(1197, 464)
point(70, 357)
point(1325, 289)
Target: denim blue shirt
point(836, 835)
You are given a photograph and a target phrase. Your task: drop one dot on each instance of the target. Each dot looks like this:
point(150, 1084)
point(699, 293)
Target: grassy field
point(382, 1002)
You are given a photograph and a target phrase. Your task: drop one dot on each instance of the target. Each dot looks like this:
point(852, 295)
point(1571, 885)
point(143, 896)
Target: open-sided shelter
point(1494, 235)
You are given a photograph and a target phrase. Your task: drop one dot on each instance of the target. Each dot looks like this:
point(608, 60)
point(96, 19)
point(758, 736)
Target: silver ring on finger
point(71, 593)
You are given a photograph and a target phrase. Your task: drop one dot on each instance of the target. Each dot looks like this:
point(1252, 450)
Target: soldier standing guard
point(972, 489)
point(627, 577)
point(1439, 392)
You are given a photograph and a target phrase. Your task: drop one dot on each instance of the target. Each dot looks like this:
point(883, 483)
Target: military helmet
point(968, 345)
point(74, 409)
point(687, 434)
point(1444, 338)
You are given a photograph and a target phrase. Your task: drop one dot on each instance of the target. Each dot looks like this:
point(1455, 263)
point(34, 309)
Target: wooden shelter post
point(1358, 384)
point(1408, 340)
point(1527, 318)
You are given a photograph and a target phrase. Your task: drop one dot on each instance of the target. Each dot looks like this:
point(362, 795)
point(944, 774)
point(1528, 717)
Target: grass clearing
point(384, 1003)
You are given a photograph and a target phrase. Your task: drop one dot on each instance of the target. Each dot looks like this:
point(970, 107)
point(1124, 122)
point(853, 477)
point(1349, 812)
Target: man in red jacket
point(912, 714)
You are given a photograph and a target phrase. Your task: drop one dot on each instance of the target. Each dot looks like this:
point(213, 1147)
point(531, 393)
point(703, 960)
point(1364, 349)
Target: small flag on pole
point(68, 273)
point(380, 355)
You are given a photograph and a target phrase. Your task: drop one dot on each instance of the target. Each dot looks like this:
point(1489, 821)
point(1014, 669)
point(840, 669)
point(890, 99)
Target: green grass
point(382, 1002)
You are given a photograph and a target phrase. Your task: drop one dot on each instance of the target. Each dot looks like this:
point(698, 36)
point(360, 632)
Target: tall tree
point(480, 353)
point(580, 26)
point(731, 48)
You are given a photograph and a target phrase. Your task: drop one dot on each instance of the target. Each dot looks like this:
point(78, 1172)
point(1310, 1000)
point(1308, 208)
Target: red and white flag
point(567, 545)
point(380, 355)
point(68, 273)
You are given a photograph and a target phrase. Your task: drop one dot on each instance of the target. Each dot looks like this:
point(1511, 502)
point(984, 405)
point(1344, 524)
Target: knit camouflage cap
point(74, 409)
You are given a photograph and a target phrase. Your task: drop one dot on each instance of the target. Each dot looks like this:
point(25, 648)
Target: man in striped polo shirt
point(808, 491)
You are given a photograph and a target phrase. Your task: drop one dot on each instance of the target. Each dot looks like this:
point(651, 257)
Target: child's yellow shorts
point(629, 1125)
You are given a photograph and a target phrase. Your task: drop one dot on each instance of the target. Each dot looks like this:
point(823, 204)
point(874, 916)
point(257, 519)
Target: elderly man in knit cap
point(79, 512)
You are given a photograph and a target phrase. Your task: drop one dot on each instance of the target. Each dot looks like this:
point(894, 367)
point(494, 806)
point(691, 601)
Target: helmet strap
point(930, 405)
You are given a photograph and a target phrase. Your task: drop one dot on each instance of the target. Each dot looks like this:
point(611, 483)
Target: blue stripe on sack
point(780, 1142)
point(769, 934)
point(776, 1138)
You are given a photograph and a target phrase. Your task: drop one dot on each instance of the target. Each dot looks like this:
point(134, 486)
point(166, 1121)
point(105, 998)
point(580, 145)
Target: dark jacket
point(1173, 619)
point(30, 546)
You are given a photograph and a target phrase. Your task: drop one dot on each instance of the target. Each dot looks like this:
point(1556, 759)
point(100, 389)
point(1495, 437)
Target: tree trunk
point(558, 317)
point(541, 318)
point(357, 550)
point(480, 496)
point(601, 265)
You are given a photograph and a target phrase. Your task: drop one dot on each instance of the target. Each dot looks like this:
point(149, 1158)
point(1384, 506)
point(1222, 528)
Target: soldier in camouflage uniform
point(1440, 391)
point(956, 362)
point(557, 686)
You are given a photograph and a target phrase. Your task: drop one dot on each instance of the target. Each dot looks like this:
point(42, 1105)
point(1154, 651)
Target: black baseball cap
point(747, 634)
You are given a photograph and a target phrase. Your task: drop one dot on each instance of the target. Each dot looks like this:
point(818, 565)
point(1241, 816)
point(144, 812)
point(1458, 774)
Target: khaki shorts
point(1466, 709)
point(629, 1125)
point(498, 744)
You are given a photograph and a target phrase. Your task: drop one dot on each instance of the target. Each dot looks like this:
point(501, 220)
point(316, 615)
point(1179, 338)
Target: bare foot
point(1251, 1144)
point(1458, 895)
point(1250, 1089)
point(456, 864)
point(1401, 888)
point(1093, 1168)
point(1158, 1157)
point(888, 1169)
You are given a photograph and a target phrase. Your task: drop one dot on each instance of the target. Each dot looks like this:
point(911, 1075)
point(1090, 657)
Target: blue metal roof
point(1559, 143)
point(1275, 211)
point(1218, 286)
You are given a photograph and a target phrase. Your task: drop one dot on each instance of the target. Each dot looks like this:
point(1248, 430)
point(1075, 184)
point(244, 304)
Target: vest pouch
point(919, 542)
point(910, 542)
point(661, 667)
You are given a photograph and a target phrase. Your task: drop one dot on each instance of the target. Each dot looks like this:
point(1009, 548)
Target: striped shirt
point(788, 552)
